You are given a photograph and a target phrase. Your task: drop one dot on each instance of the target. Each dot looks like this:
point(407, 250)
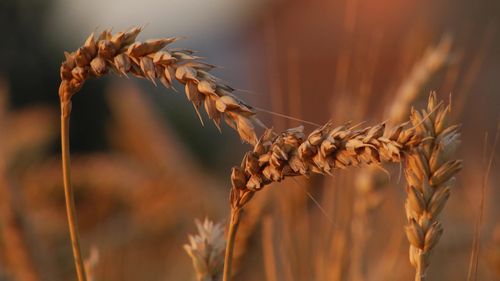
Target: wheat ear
point(290, 153)
point(150, 60)
point(429, 172)
point(206, 250)
point(277, 156)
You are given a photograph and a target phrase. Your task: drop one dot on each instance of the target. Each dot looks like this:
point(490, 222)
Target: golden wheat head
point(290, 153)
point(150, 60)
point(429, 170)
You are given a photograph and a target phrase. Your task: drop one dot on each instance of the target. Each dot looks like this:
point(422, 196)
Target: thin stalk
point(68, 193)
point(233, 229)
point(420, 274)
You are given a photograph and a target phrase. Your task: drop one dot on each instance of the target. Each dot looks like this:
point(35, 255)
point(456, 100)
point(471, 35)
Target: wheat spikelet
point(206, 250)
point(292, 154)
point(429, 171)
point(149, 60)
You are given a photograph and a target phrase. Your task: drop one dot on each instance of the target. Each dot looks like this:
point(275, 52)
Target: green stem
point(68, 192)
point(233, 229)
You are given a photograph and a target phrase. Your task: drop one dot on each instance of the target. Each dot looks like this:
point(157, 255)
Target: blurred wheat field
point(144, 168)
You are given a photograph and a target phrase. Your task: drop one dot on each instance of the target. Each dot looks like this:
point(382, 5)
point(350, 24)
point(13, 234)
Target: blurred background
point(144, 167)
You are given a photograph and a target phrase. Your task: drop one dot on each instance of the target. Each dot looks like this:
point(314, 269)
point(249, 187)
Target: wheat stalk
point(429, 171)
point(69, 194)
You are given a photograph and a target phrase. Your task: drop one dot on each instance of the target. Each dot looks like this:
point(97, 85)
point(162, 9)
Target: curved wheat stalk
point(429, 171)
point(149, 60)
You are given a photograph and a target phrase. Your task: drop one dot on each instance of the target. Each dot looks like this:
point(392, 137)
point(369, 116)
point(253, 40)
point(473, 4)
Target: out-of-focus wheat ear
point(91, 263)
point(429, 170)
point(206, 250)
point(434, 59)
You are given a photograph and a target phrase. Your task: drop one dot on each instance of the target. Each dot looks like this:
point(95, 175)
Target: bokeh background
point(144, 168)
